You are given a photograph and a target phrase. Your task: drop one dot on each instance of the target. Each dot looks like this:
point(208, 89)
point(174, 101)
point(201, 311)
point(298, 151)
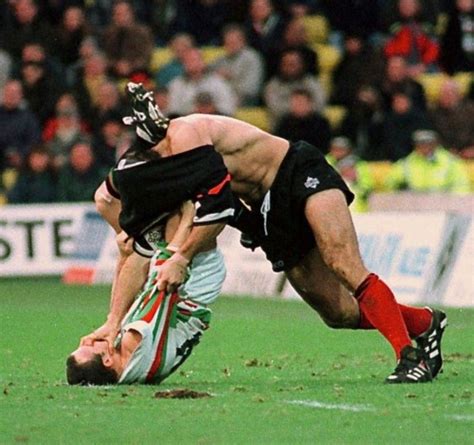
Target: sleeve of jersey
point(216, 203)
point(110, 186)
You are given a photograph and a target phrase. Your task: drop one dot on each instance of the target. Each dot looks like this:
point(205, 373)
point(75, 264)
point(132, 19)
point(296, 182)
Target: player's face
point(84, 354)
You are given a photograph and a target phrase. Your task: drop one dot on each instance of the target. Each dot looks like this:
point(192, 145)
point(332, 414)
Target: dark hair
point(92, 372)
point(302, 92)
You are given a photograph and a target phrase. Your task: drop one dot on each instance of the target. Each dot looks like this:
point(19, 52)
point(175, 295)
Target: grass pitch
point(275, 373)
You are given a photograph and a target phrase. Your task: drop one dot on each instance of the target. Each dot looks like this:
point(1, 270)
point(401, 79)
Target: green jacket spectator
point(429, 168)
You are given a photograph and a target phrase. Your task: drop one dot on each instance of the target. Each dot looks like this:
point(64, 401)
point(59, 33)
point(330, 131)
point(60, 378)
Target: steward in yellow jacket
point(429, 168)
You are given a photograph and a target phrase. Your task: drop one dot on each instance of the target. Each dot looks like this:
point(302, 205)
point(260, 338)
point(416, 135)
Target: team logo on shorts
point(311, 183)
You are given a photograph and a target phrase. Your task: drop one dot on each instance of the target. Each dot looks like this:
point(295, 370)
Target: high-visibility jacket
point(441, 172)
point(362, 186)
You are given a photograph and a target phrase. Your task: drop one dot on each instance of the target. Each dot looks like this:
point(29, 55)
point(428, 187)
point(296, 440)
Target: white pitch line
point(461, 417)
point(333, 406)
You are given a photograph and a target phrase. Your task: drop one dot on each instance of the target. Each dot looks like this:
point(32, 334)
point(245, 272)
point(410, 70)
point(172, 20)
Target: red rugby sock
point(378, 307)
point(417, 320)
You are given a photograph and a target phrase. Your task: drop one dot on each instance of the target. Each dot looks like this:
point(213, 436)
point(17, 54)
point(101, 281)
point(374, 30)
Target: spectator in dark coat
point(19, 128)
point(360, 65)
point(304, 123)
point(265, 27)
point(457, 42)
point(364, 124)
point(397, 79)
point(79, 179)
point(27, 26)
point(127, 43)
point(36, 182)
point(400, 123)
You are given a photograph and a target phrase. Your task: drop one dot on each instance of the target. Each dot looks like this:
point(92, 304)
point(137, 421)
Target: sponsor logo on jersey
point(311, 183)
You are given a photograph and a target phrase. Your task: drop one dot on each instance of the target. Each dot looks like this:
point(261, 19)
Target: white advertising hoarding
point(402, 248)
point(38, 239)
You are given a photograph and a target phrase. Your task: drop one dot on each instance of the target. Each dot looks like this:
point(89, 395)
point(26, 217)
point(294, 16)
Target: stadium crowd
point(379, 82)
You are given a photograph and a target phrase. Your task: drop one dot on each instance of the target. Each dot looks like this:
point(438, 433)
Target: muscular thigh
point(331, 223)
point(322, 290)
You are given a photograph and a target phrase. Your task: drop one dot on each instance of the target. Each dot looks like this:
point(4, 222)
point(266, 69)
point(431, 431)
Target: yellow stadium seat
point(9, 178)
point(470, 171)
point(212, 53)
point(257, 116)
point(328, 56)
point(380, 170)
point(334, 114)
point(160, 57)
point(431, 83)
point(464, 80)
point(317, 28)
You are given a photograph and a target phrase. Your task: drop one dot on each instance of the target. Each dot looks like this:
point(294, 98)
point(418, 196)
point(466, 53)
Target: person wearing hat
point(356, 172)
point(429, 168)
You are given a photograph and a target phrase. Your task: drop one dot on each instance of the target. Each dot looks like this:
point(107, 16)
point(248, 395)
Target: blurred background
point(384, 88)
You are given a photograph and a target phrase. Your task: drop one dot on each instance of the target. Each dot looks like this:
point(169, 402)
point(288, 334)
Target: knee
point(347, 319)
point(340, 323)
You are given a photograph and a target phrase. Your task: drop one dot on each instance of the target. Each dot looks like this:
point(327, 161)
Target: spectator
point(355, 172)
point(291, 75)
point(36, 182)
point(86, 87)
point(457, 42)
point(400, 123)
point(360, 65)
point(36, 53)
point(302, 122)
point(351, 17)
point(264, 27)
point(108, 103)
point(65, 106)
point(295, 37)
point(411, 38)
point(179, 44)
point(364, 124)
point(113, 139)
point(162, 99)
point(80, 177)
point(397, 79)
point(19, 127)
point(40, 90)
point(65, 129)
point(203, 19)
point(197, 79)
point(127, 43)
point(204, 104)
point(5, 68)
point(241, 66)
point(88, 48)
point(429, 168)
point(71, 32)
point(26, 27)
point(453, 119)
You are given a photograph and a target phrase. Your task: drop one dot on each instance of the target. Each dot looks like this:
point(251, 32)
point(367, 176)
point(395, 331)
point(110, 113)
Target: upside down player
point(299, 216)
point(160, 328)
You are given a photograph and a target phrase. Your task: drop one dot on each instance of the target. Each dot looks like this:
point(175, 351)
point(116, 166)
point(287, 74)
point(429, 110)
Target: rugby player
point(296, 210)
point(160, 328)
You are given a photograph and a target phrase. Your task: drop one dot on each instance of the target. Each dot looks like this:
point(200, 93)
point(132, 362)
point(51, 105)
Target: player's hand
point(124, 243)
point(172, 273)
point(107, 332)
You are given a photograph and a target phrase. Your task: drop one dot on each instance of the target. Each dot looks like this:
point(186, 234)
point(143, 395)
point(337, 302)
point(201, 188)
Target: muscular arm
point(201, 238)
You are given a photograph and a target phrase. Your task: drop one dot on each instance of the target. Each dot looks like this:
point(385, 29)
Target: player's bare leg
point(324, 292)
point(335, 236)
